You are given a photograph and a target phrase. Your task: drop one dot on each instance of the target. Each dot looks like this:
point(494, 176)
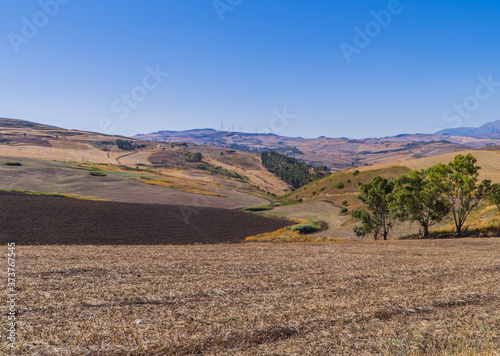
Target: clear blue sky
point(239, 64)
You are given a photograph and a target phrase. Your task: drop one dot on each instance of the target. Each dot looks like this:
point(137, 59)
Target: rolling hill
point(59, 160)
point(325, 198)
point(335, 153)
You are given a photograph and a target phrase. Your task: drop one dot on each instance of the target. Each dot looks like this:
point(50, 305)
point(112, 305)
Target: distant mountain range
point(488, 130)
point(340, 153)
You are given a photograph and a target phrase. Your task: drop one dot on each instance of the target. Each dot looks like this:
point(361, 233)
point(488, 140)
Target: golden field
point(416, 297)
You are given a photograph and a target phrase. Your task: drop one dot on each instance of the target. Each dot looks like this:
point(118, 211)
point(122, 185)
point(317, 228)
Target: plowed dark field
point(31, 220)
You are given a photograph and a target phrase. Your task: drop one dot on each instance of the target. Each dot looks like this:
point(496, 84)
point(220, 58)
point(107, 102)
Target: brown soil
point(28, 220)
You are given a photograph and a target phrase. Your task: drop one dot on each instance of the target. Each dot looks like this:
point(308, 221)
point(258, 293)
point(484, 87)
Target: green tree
point(494, 195)
point(458, 182)
point(124, 144)
point(415, 198)
point(197, 157)
point(376, 218)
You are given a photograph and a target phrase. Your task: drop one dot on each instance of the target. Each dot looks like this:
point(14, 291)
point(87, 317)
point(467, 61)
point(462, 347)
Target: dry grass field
point(487, 159)
point(431, 297)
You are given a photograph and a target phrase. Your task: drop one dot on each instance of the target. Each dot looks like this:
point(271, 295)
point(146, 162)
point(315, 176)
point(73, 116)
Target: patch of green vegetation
point(291, 170)
point(194, 157)
point(98, 174)
point(124, 145)
point(258, 208)
point(287, 202)
point(49, 194)
point(308, 228)
point(12, 164)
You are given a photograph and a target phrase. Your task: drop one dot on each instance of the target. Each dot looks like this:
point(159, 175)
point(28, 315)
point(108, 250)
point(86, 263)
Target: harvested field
point(29, 219)
point(350, 298)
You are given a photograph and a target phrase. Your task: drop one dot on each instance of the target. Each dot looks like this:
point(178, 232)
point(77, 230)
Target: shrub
point(344, 210)
point(355, 173)
point(306, 228)
point(197, 157)
point(340, 185)
point(98, 174)
point(345, 203)
point(322, 189)
point(258, 208)
point(12, 164)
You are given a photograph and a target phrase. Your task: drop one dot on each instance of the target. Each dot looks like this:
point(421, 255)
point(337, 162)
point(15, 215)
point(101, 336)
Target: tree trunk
point(426, 230)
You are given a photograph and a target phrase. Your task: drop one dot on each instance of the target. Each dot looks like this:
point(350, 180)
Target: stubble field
point(432, 297)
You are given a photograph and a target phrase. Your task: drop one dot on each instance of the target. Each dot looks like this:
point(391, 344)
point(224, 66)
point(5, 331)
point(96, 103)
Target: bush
point(340, 185)
point(98, 174)
point(306, 228)
point(197, 157)
point(344, 210)
point(12, 164)
point(345, 203)
point(257, 208)
point(355, 173)
point(322, 189)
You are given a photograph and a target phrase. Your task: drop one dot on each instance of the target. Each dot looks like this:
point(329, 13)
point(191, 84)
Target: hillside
point(488, 159)
point(336, 153)
point(59, 160)
point(324, 198)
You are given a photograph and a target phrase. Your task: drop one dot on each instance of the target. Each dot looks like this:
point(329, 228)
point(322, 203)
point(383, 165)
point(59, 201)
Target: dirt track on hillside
point(31, 220)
